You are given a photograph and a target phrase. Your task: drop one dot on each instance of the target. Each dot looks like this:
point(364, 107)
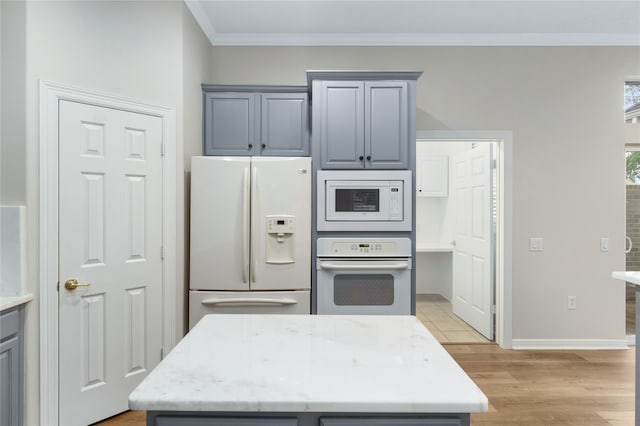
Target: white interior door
point(472, 276)
point(110, 236)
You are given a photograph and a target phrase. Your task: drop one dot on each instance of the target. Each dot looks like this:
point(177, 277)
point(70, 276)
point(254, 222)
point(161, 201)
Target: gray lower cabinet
point(11, 367)
point(256, 120)
point(390, 422)
point(363, 124)
point(169, 418)
point(223, 421)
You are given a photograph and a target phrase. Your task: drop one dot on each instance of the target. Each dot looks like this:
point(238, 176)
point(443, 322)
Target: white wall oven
point(364, 276)
point(364, 200)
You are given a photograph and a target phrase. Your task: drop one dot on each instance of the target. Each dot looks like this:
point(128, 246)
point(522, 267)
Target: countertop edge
point(479, 406)
point(632, 277)
point(7, 303)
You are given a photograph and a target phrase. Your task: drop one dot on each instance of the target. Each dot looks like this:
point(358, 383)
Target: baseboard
point(572, 344)
point(631, 339)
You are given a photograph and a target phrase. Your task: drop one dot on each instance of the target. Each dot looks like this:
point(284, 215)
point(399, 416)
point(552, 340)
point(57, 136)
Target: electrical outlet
point(536, 244)
point(604, 245)
point(572, 303)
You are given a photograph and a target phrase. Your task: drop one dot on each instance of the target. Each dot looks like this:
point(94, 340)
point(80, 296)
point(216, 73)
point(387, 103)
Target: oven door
point(364, 286)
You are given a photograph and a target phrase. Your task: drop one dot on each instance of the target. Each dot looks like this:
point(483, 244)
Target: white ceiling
point(418, 22)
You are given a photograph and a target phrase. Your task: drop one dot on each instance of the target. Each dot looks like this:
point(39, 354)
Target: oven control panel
point(359, 247)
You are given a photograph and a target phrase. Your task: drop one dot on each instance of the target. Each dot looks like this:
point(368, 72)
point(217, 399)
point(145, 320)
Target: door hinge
point(161, 354)
point(161, 252)
point(161, 150)
point(58, 286)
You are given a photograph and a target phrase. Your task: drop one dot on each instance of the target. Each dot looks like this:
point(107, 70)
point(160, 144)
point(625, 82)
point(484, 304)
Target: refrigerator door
point(220, 223)
point(280, 223)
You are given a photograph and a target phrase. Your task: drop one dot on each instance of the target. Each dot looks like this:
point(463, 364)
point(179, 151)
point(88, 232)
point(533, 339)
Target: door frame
point(50, 96)
point(504, 225)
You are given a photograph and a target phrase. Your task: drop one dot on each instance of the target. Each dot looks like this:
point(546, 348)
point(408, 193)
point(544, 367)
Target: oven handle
point(362, 266)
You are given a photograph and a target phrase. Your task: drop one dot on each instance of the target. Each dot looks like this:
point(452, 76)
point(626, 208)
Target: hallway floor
point(436, 313)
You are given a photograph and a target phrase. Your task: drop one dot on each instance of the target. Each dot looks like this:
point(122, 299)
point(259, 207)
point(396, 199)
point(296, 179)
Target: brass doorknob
point(72, 284)
point(453, 243)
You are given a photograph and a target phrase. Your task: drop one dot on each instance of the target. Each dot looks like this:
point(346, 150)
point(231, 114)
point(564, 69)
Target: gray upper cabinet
point(285, 128)
point(341, 125)
point(363, 119)
point(230, 123)
point(256, 120)
point(386, 126)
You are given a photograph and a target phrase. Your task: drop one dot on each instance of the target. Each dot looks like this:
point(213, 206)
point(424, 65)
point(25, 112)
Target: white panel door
point(220, 227)
point(281, 189)
point(472, 275)
point(110, 237)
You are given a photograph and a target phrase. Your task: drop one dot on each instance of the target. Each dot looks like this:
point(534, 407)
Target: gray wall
point(564, 107)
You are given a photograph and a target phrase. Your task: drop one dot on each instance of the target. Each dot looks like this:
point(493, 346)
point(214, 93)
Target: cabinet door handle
point(250, 146)
point(368, 158)
point(263, 146)
point(361, 158)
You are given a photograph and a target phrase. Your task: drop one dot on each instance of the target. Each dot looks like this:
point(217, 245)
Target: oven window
point(357, 200)
point(363, 289)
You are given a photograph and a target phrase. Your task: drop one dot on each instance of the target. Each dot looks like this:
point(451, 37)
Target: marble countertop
point(309, 363)
point(8, 302)
point(632, 277)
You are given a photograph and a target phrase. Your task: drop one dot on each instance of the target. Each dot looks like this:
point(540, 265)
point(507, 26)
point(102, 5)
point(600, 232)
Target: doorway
point(52, 190)
point(455, 239)
point(632, 186)
point(435, 245)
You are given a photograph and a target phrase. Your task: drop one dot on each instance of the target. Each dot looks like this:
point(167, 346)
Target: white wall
point(148, 51)
point(12, 103)
point(564, 107)
point(197, 68)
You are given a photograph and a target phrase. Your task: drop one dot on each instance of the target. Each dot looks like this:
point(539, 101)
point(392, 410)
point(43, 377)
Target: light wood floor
point(534, 388)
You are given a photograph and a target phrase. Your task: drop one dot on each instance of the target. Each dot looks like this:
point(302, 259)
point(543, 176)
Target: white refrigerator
point(250, 235)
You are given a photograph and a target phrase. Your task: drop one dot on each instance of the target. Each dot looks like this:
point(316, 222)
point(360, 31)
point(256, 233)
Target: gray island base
point(303, 370)
point(304, 419)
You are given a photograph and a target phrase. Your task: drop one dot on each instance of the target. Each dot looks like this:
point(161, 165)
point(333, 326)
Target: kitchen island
point(305, 370)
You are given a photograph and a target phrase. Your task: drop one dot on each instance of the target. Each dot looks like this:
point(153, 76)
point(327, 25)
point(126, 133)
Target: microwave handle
point(362, 266)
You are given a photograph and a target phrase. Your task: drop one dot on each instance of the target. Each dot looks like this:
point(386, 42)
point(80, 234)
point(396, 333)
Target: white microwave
point(364, 200)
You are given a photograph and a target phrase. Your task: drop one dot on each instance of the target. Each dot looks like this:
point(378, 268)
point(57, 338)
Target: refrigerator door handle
point(251, 301)
point(254, 209)
point(245, 225)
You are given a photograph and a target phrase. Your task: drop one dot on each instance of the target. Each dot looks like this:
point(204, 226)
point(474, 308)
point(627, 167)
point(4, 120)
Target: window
point(632, 102)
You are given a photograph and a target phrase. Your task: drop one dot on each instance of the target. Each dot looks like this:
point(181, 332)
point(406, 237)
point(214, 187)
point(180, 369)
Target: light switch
point(604, 244)
point(536, 244)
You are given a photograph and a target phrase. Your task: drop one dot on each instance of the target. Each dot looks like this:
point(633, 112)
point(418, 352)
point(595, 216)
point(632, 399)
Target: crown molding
point(424, 39)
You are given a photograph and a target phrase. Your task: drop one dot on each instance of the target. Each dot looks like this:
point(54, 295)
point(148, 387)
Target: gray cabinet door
point(390, 422)
point(9, 388)
point(386, 124)
point(231, 127)
point(342, 125)
point(285, 128)
point(222, 421)
point(11, 368)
